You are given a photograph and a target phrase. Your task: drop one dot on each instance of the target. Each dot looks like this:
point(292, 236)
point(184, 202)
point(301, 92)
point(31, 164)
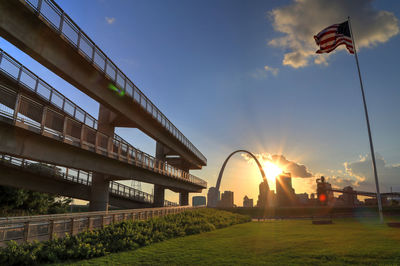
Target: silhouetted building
point(324, 192)
point(349, 197)
point(199, 201)
point(302, 198)
point(247, 203)
point(271, 199)
point(226, 200)
point(285, 195)
point(262, 201)
point(212, 197)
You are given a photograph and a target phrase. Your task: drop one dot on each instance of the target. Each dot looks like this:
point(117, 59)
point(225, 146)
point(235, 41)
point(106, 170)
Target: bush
point(128, 235)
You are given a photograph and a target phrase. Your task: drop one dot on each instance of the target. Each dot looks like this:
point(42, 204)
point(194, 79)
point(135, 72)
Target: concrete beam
point(27, 144)
point(13, 177)
point(25, 30)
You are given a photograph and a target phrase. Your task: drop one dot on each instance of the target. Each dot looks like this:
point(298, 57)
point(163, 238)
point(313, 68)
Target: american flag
point(333, 36)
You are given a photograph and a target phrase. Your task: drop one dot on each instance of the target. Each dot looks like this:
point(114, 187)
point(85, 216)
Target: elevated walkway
point(67, 182)
point(42, 29)
point(55, 121)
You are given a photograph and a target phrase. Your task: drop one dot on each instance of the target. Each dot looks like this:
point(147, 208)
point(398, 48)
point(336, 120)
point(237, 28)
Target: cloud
point(110, 20)
point(301, 20)
point(389, 175)
point(296, 169)
point(341, 182)
point(273, 71)
point(263, 73)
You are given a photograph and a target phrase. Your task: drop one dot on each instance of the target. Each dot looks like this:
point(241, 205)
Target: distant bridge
point(365, 193)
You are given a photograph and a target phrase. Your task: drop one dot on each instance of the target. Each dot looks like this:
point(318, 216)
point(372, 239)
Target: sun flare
point(272, 170)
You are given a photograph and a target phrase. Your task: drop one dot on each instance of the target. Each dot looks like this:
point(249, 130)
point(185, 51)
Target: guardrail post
point(27, 230)
point(16, 107)
point(79, 40)
point(119, 150)
point(19, 74)
point(65, 127)
point(93, 52)
point(51, 229)
point(136, 157)
point(82, 134)
point(110, 147)
point(72, 226)
point(43, 122)
point(113, 216)
point(60, 26)
point(96, 142)
point(39, 7)
point(90, 224)
point(128, 154)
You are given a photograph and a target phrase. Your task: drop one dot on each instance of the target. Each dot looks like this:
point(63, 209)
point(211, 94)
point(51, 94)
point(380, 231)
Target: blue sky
point(203, 63)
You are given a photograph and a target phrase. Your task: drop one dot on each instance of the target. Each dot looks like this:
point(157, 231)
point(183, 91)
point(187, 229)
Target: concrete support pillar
point(159, 191)
point(159, 196)
point(184, 198)
point(99, 194)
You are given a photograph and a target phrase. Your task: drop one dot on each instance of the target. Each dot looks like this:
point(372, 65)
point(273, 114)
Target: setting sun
point(271, 170)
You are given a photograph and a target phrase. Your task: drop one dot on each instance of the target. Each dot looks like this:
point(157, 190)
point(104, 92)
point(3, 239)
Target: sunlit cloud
point(264, 72)
point(110, 20)
point(301, 20)
point(362, 169)
point(294, 168)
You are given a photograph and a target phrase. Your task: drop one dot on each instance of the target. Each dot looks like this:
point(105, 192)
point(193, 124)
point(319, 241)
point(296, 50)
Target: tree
point(20, 201)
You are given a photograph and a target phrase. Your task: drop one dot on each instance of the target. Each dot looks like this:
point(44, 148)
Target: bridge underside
point(33, 181)
point(25, 30)
point(24, 143)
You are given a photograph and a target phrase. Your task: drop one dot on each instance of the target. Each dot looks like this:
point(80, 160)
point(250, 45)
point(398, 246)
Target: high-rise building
point(247, 203)
point(285, 195)
point(226, 200)
point(212, 197)
point(262, 201)
point(198, 201)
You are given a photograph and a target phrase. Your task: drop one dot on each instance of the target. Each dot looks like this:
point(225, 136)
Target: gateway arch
point(214, 192)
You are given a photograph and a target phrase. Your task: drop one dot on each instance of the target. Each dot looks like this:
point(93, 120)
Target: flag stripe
point(328, 50)
point(332, 43)
point(333, 36)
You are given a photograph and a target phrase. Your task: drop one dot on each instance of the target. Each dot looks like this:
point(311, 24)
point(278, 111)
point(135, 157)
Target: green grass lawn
point(347, 241)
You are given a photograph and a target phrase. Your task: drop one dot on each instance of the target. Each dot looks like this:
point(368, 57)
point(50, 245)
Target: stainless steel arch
point(221, 172)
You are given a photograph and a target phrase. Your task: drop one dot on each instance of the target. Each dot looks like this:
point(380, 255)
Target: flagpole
point(378, 194)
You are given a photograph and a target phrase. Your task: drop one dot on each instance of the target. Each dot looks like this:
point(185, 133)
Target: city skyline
point(224, 82)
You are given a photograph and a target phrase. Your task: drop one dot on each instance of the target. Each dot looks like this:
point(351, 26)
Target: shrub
point(127, 235)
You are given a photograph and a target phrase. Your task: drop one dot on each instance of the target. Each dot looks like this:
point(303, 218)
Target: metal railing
point(114, 147)
point(45, 227)
point(62, 24)
point(78, 176)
